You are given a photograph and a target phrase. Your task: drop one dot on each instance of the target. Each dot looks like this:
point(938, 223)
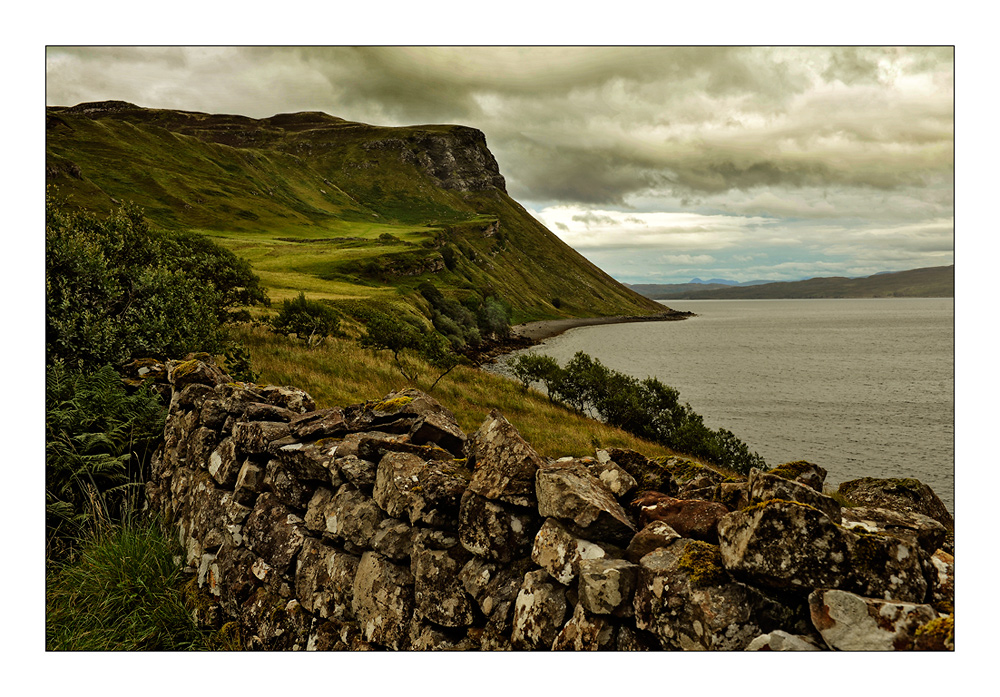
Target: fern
point(98, 442)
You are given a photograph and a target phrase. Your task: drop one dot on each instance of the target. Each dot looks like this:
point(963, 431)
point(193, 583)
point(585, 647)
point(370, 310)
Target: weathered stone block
point(693, 518)
point(255, 437)
point(560, 553)
point(607, 585)
point(807, 473)
point(200, 444)
point(539, 611)
point(685, 597)
point(439, 596)
point(780, 640)
point(568, 492)
point(504, 463)
point(902, 495)
point(273, 532)
point(764, 486)
point(291, 398)
point(494, 530)
point(424, 492)
point(393, 539)
point(325, 423)
point(360, 473)
point(653, 536)
point(785, 545)
point(849, 622)
point(286, 486)
point(441, 429)
point(495, 587)
point(616, 478)
point(224, 464)
point(928, 533)
point(585, 632)
point(352, 516)
point(249, 482)
point(383, 601)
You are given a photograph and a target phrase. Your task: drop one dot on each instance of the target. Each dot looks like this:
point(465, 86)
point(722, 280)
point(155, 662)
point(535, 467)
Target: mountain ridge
point(932, 281)
point(385, 208)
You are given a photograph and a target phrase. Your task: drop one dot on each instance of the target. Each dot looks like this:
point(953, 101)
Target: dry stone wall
point(383, 526)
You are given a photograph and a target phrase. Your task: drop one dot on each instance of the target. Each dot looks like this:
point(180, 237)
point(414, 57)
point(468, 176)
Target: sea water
point(861, 387)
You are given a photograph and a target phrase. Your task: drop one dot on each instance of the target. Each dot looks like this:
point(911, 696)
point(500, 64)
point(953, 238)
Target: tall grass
point(122, 592)
point(339, 372)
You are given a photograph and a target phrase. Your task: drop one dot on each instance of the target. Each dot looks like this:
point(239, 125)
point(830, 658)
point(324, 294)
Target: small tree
point(535, 367)
point(308, 319)
point(385, 332)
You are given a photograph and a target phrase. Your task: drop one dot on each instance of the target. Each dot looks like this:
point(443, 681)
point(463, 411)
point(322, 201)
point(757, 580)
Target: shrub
point(647, 408)
point(493, 318)
point(389, 332)
point(308, 319)
point(535, 367)
point(115, 290)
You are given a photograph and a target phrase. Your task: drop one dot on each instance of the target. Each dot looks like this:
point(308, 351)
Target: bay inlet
point(861, 387)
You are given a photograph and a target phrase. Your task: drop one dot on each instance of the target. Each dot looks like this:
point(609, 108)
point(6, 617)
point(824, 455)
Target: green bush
point(394, 333)
point(308, 319)
point(115, 289)
point(645, 408)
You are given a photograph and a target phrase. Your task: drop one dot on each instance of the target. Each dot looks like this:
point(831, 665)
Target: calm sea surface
point(861, 387)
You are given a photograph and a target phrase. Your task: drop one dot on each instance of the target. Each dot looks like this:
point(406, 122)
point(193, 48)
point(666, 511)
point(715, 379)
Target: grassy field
point(339, 373)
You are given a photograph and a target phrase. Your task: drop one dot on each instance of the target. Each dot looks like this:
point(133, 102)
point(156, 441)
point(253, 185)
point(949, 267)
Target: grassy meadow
point(339, 372)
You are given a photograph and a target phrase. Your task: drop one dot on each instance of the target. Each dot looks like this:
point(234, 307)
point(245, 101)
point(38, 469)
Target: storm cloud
point(805, 160)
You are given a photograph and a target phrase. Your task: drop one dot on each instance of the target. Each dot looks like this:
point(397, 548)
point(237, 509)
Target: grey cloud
point(590, 218)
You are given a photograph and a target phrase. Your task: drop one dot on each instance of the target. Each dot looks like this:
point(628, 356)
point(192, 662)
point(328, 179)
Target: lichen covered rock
point(786, 546)
point(495, 530)
point(504, 464)
point(848, 622)
point(688, 517)
point(560, 553)
point(273, 532)
point(765, 486)
point(568, 492)
point(903, 495)
point(426, 492)
point(383, 600)
point(539, 611)
point(685, 597)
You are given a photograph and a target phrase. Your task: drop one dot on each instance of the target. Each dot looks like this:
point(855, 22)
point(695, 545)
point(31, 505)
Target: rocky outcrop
point(384, 526)
point(457, 158)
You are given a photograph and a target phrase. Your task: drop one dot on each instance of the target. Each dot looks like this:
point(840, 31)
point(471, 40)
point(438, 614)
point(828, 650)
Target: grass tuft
point(121, 593)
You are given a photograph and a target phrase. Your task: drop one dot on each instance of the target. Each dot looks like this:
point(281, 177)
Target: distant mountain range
point(931, 282)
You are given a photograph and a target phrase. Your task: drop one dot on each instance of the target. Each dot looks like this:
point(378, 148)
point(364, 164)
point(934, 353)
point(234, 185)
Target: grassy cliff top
point(343, 211)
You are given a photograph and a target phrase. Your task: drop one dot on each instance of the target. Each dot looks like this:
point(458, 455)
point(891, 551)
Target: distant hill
point(344, 211)
point(931, 282)
point(662, 290)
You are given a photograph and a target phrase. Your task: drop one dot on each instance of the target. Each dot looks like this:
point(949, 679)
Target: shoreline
point(546, 329)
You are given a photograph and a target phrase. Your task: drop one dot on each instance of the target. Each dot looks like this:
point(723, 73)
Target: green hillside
point(931, 282)
point(343, 211)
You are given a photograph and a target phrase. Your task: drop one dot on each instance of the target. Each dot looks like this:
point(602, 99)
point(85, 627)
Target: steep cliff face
point(457, 159)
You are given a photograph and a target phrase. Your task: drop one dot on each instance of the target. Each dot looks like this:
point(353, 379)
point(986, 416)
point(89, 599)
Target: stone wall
point(383, 526)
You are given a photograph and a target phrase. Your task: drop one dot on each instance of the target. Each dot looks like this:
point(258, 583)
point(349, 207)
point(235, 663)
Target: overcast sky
point(659, 164)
